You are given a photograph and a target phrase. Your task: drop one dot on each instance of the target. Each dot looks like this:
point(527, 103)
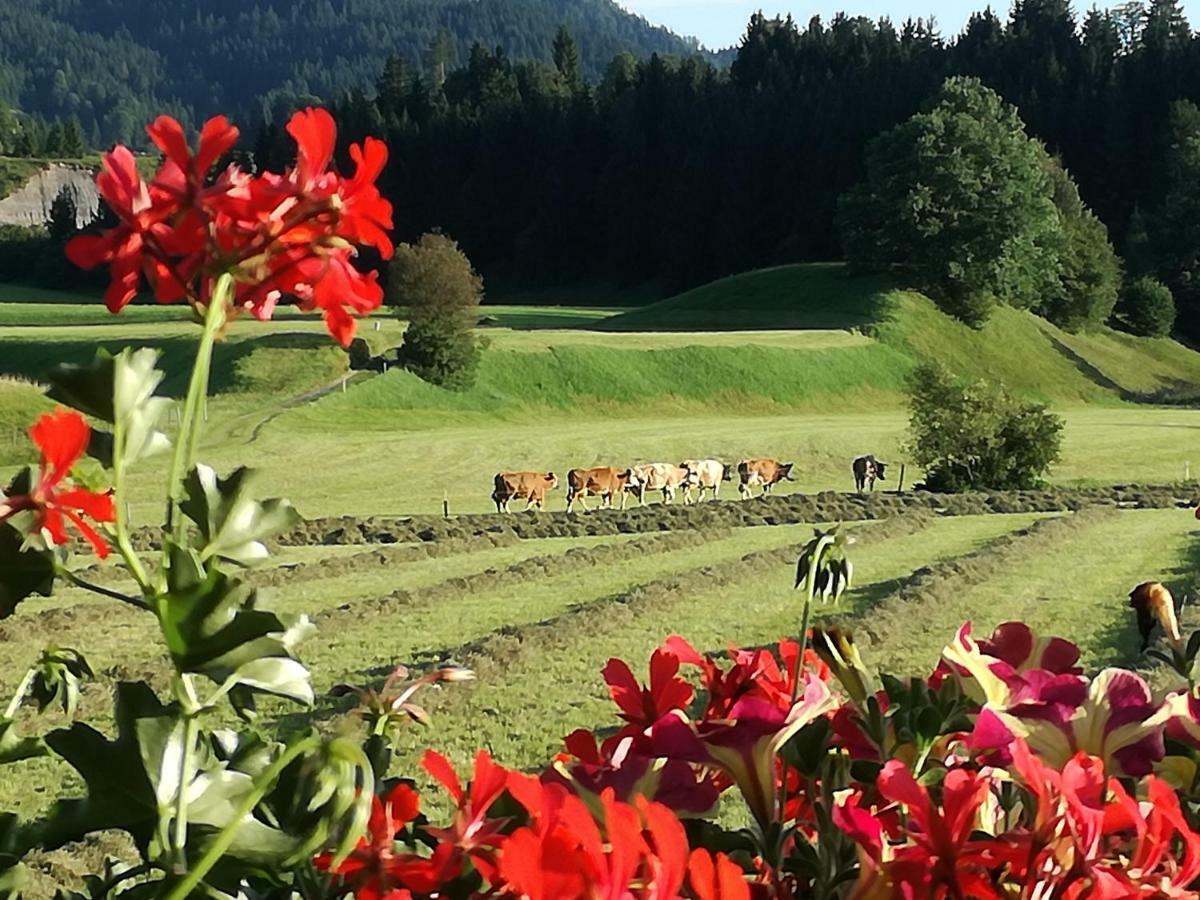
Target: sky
point(721, 23)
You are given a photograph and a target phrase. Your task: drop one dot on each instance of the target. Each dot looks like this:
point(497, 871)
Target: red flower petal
point(314, 132)
point(441, 769)
point(62, 436)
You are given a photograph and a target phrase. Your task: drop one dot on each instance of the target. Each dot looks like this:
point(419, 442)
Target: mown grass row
point(539, 681)
point(788, 509)
point(1070, 579)
point(439, 610)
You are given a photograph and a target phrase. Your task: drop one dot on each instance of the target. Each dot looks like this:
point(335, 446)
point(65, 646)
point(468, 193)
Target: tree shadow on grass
point(35, 359)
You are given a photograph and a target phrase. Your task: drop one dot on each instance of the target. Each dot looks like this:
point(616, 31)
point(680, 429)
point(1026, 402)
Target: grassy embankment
point(563, 387)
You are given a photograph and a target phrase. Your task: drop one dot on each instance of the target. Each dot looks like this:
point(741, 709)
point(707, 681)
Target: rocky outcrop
point(30, 204)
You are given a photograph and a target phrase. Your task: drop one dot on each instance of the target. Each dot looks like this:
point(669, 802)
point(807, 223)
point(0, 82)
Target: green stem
point(223, 840)
point(191, 730)
point(189, 428)
point(102, 591)
point(15, 703)
point(123, 543)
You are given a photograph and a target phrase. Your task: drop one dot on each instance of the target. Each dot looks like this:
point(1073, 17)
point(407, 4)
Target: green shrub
point(957, 198)
point(433, 278)
point(437, 350)
point(975, 435)
point(1148, 308)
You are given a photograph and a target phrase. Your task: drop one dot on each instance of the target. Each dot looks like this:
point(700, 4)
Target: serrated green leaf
point(23, 570)
point(119, 792)
point(14, 747)
point(232, 525)
point(119, 390)
point(277, 675)
point(87, 388)
point(213, 627)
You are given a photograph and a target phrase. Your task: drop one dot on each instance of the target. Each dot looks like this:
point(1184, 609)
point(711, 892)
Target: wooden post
point(445, 505)
point(900, 486)
point(377, 324)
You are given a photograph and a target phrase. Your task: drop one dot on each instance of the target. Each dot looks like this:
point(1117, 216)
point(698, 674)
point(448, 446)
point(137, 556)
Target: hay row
point(492, 654)
point(791, 509)
point(522, 572)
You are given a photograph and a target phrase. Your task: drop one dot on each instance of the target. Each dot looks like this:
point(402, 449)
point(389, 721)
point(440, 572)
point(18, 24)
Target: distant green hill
point(116, 64)
point(1025, 352)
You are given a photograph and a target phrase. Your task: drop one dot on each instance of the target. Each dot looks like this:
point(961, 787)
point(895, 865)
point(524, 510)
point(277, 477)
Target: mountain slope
point(113, 63)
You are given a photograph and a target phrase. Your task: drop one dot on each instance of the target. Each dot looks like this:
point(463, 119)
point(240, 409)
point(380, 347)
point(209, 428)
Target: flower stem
point(102, 591)
point(136, 569)
point(189, 428)
point(223, 840)
point(15, 703)
point(191, 729)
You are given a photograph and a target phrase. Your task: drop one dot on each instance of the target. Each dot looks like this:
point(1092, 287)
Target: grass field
point(805, 363)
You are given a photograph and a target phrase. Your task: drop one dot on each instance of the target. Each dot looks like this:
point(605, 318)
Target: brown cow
point(530, 485)
point(605, 483)
point(765, 472)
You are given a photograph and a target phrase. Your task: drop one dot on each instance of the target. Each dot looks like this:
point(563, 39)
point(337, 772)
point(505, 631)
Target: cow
point(605, 483)
point(704, 475)
point(765, 472)
point(866, 469)
point(515, 485)
point(657, 477)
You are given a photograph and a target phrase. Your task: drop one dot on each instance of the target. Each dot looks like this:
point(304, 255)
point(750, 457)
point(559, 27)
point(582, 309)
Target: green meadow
point(804, 363)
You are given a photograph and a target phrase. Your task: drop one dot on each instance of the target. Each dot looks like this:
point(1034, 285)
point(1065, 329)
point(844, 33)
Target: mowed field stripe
point(1074, 584)
point(422, 627)
point(539, 682)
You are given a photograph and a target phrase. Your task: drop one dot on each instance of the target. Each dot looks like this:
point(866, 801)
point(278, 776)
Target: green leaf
point(87, 388)
point(277, 675)
point(57, 676)
point(23, 571)
point(120, 795)
point(14, 747)
point(119, 390)
point(231, 523)
point(213, 627)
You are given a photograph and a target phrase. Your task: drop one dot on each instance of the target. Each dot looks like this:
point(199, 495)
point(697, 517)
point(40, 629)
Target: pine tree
point(566, 59)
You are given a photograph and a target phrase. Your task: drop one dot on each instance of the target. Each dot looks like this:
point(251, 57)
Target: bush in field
point(974, 436)
point(434, 281)
point(1147, 308)
point(958, 198)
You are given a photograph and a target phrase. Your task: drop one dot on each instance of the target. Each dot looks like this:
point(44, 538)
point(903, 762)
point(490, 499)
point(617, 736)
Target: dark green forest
point(553, 159)
point(115, 64)
point(679, 170)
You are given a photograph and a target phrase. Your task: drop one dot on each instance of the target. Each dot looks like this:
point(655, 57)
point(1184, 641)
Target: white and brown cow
point(663, 477)
point(604, 482)
point(704, 475)
point(764, 472)
point(866, 469)
point(515, 485)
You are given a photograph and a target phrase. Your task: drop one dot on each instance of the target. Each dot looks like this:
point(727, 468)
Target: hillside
point(1025, 352)
point(118, 63)
point(794, 352)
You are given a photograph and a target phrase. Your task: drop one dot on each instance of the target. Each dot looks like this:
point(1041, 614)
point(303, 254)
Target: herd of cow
point(691, 480)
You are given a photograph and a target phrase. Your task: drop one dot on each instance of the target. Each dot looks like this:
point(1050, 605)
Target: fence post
point(445, 504)
point(900, 486)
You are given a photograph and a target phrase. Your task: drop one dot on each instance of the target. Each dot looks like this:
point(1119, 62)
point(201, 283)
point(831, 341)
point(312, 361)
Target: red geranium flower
point(472, 832)
point(291, 234)
point(63, 437)
point(716, 878)
point(375, 871)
